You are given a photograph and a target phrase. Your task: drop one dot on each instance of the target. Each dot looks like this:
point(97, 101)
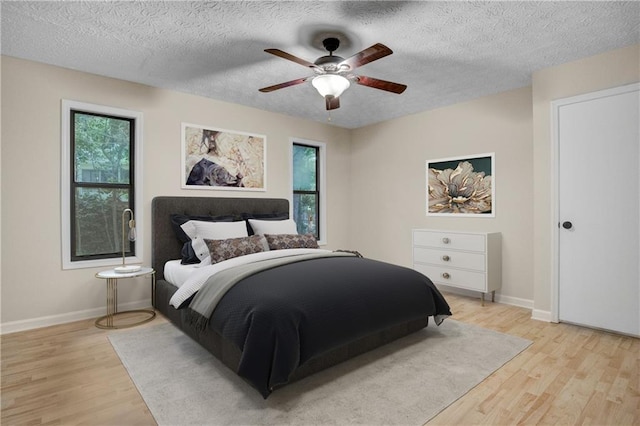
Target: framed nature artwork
point(223, 159)
point(461, 186)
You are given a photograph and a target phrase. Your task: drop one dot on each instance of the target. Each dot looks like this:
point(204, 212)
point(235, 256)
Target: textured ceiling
point(445, 52)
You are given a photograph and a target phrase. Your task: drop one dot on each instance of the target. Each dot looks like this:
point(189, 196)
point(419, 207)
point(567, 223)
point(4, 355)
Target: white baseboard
point(514, 301)
point(539, 315)
point(507, 300)
point(30, 324)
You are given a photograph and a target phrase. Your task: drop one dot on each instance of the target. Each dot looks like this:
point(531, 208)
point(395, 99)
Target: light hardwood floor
point(70, 374)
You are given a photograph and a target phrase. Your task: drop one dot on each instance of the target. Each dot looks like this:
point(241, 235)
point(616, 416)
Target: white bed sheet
point(177, 273)
point(200, 274)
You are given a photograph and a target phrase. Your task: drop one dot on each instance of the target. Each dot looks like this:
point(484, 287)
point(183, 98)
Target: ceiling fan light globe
point(330, 84)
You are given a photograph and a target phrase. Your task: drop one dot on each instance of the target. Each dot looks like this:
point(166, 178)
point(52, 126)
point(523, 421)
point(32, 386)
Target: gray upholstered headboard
point(164, 243)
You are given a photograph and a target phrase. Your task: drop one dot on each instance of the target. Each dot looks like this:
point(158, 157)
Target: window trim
point(321, 179)
point(66, 186)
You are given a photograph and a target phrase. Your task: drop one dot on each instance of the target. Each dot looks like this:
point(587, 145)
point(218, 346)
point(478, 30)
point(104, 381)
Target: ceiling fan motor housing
point(329, 62)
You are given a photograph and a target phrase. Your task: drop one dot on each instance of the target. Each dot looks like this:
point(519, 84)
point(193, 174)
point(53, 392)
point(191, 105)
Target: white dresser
point(467, 260)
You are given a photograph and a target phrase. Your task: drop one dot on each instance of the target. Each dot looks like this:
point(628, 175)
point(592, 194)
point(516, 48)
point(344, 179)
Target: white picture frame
point(221, 159)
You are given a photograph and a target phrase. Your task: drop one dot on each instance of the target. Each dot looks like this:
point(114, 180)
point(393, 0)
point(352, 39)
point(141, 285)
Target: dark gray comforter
point(284, 316)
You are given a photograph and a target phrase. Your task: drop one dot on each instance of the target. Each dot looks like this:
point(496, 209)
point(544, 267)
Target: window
point(308, 161)
point(100, 178)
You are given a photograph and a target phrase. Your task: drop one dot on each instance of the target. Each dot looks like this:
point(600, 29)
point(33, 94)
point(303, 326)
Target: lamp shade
point(330, 84)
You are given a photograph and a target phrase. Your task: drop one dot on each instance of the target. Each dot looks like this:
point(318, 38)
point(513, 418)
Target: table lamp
point(131, 236)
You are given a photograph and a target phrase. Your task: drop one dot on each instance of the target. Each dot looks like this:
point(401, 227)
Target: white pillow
point(199, 230)
point(287, 226)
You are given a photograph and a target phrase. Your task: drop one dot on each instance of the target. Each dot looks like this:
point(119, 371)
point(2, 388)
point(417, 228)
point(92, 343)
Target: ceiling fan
point(333, 74)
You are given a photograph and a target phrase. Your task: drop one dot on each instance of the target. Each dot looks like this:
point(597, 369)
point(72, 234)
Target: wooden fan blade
point(332, 102)
point(389, 86)
point(370, 54)
point(290, 57)
point(283, 85)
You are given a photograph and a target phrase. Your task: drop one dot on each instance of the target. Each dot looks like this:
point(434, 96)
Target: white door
point(598, 137)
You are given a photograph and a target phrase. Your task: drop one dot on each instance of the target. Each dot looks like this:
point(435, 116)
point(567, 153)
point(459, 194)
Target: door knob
point(567, 225)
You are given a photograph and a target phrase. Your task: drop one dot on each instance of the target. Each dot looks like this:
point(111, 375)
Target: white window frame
point(67, 106)
point(322, 148)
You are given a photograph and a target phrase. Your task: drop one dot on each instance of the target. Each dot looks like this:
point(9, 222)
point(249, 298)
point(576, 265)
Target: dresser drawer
point(454, 277)
point(457, 259)
point(450, 240)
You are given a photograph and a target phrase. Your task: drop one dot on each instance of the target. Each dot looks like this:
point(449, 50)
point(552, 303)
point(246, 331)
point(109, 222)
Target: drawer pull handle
point(446, 240)
point(446, 258)
point(446, 275)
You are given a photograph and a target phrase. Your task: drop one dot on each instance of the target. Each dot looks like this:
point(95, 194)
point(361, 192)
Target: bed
point(298, 315)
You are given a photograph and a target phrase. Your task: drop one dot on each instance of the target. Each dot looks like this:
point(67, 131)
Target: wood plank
point(70, 374)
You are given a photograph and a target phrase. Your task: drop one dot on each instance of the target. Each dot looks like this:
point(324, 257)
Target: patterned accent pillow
point(188, 254)
point(289, 241)
point(233, 247)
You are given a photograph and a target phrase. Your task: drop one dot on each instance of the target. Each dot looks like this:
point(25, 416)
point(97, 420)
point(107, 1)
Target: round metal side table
point(112, 277)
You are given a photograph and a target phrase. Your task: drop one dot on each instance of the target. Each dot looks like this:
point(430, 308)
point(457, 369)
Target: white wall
point(35, 289)
point(0, 196)
point(388, 195)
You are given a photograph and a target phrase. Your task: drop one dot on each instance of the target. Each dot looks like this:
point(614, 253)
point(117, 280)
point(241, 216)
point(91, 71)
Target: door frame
point(555, 183)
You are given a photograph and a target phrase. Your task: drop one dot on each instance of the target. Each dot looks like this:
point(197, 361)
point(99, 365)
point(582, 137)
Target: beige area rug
point(406, 382)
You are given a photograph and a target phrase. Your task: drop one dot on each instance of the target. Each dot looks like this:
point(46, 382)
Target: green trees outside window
point(101, 183)
point(306, 191)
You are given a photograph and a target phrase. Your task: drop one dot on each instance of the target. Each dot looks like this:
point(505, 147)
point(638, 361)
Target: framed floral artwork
point(461, 186)
point(223, 159)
